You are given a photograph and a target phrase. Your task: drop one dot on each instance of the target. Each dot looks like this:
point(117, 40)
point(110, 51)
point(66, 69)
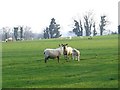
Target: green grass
point(23, 64)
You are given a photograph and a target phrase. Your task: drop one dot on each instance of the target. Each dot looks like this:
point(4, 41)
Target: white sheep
point(8, 39)
point(53, 53)
point(67, 51)
point(75, 54)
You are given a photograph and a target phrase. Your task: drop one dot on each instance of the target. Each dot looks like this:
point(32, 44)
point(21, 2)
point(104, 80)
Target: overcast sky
point(38, 13)
point(119, 13)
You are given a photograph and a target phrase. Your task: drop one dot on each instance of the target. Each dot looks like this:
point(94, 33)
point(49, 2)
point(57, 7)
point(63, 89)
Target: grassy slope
point(23, 64)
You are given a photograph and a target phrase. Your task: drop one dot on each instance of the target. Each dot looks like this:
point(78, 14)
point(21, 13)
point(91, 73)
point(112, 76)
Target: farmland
point(23, 64)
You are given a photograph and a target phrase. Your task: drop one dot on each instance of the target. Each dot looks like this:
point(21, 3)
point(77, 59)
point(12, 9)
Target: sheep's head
point(64, 48)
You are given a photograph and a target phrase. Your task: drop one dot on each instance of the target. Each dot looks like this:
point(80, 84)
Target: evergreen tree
point(76, 29)
point(46, 33)
point(102, 24)
point(54, 29)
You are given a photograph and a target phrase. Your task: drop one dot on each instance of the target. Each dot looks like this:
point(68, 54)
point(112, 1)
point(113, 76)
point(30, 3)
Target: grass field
point(23, 64)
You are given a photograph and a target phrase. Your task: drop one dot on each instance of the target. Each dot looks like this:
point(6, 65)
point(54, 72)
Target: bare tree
point(1, 34)
point(94, 29)
point(27, 33)
point(88, 22)
point(16, 33)
point(21, 33)
point(6, 33)
point(81, 28)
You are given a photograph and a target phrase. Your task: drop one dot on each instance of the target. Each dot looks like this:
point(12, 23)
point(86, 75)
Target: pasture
point(23, 64)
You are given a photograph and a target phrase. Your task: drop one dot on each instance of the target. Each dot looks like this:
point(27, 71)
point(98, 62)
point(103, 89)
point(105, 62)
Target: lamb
point(75, 54)
point(53, 53)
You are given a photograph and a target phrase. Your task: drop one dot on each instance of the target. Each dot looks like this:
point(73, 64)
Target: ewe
point(53, 53)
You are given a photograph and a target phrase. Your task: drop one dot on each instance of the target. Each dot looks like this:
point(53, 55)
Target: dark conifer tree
point(54, 29)
point(102, 24)
point(16, 33)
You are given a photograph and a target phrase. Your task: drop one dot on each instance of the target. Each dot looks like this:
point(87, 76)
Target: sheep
point(75, 54)
point(70, 37)
point(8, 39)
point(90, 37)
point(53, 53)
point(67, 51)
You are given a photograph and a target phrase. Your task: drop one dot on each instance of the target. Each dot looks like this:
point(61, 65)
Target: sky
point(119, 13)
point(38, 13)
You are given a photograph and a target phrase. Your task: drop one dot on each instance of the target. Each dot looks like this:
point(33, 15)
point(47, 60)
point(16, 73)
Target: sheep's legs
point(58, 58)
point(78, 58)
point(68, 57)
point(65, 57)
point(46, 59)
point(73, 57)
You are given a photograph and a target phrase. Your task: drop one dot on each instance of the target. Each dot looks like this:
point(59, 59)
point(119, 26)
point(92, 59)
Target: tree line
point(88, 25)
point(17, 33)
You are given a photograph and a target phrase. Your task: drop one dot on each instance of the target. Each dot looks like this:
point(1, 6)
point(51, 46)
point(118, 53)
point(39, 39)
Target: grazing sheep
point(9, 39)
point(75, 54)
point(53, 53)
point(90, 37)
point(67, 51)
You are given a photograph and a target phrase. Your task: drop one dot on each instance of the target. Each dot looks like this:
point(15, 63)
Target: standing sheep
point(75, 54)
point(53, 53)
point(67, 51)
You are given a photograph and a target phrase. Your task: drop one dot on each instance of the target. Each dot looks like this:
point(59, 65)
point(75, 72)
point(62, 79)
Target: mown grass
point(23, 64)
